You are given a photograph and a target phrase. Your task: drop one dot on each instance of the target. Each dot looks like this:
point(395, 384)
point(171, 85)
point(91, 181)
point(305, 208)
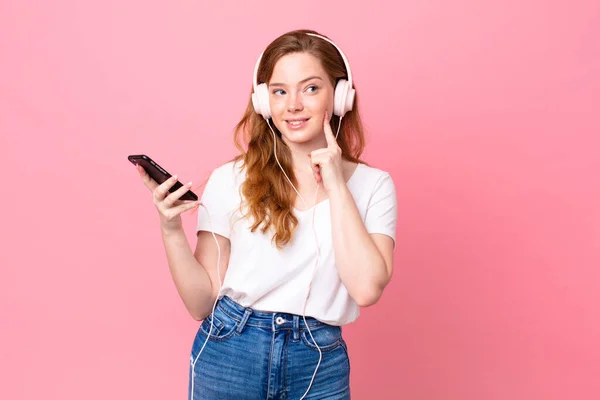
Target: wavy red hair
point(268, 197)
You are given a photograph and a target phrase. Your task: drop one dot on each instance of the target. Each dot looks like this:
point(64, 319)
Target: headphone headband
point(346, 63)
point(254, 82)
point(343, 94)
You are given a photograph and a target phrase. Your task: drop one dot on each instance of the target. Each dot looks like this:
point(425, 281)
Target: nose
point(294, 102)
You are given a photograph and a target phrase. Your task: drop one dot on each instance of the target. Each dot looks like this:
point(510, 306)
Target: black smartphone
point(159, 174)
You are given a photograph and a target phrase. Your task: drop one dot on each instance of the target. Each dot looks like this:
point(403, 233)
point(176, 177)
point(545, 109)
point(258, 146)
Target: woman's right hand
point(168, 204)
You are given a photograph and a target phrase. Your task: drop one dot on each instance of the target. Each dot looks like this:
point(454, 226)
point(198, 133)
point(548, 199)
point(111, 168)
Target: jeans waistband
point(272, 320)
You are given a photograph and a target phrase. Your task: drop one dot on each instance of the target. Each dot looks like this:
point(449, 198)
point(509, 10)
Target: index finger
point(331, 141)
point(149, 182)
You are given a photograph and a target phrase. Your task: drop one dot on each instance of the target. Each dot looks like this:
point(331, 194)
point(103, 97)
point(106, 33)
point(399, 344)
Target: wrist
point(339, 193)
point(171, 228)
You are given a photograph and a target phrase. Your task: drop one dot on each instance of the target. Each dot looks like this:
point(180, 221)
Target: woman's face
point(300, 93)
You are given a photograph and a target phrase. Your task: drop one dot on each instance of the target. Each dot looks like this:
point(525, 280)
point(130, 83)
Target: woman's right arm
point(194, 273)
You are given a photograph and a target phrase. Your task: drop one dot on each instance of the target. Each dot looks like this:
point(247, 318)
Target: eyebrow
point(302, 81)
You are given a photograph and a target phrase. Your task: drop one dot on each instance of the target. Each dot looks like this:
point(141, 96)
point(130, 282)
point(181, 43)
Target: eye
point(312, 88)
point(278, 92)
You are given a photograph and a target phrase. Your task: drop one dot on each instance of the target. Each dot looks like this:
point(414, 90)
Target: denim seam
point(307, 341)
point(217, 324)
point(242, 324)
point(284, 366)
point(235, 317)
point(215, 337)
point(345, 347)
point(269, 369)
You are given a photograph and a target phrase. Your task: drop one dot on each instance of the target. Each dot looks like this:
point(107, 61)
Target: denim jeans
point(262, 355)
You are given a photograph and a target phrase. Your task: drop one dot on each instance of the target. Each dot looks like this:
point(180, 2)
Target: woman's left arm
point(364, 260)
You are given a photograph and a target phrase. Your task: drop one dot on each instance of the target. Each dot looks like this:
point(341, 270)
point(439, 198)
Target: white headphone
point(343, 96)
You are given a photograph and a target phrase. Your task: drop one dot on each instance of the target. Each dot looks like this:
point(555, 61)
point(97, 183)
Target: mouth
point(296, 123)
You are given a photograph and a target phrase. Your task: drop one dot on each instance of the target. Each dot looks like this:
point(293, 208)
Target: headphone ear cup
point(343, 98)
point(340, 87)
point(256, 103)
point(349, 100)
point(260, 101)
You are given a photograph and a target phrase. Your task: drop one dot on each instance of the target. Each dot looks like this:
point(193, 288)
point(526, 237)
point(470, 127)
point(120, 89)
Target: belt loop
point(242, 324)
point(296, 329)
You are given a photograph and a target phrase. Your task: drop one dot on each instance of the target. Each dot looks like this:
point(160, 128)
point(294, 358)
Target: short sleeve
point(214, 215)
point(382, 209)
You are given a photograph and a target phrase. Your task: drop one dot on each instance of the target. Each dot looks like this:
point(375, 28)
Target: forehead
point(292, 68)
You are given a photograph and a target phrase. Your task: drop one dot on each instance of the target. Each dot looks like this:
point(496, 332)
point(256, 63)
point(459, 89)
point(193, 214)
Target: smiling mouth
point(296, 122)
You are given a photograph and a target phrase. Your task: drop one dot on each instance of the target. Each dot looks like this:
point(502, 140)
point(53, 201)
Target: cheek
point(277, 105)
point(318, 104)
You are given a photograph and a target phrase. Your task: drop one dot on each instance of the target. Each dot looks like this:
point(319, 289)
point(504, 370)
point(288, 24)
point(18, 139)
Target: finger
point(149, 182)
point(315, 168)
point(322, 157)
point(314, 162)
point(187, 207)
point(173, 212)
point(318, 177)
point(316, 172)
point(331, 142)
point(173, 197)
point(162, 190)
point(320, 153)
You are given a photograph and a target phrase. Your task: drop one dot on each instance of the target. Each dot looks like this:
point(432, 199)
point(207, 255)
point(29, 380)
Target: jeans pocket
point(328, 338)
point(223, 326)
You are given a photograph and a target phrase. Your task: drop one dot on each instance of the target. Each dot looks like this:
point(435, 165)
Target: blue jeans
point(262, 355)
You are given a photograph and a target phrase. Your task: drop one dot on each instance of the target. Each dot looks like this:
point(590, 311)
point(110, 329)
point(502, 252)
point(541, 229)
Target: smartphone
point(159, 174)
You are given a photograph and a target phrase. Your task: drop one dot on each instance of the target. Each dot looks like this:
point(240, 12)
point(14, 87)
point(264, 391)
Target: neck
point(300, 151)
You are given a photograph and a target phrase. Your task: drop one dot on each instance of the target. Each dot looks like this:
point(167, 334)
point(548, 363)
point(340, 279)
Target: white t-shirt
point(264, 278)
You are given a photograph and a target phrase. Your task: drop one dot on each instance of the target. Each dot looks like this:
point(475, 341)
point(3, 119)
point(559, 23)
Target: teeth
point(296, 123)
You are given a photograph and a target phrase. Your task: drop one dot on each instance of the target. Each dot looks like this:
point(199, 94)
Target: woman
point(275, 276)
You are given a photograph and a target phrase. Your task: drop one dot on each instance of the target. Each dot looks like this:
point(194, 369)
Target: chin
point(299, 137)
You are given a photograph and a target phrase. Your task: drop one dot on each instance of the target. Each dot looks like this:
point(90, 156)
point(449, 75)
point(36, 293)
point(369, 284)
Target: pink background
point(485, 113)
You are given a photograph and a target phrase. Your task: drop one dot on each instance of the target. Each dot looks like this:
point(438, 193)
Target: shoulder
point(369, 177)
point(229, 173)
point(230, 168)
point(224, 182)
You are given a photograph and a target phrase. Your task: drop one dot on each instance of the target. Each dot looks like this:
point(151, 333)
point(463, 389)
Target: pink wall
point(485, 113)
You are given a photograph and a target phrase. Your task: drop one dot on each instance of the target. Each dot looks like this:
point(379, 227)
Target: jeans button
point(279, 321)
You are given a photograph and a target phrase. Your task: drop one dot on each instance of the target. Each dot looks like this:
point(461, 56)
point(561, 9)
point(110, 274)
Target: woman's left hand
point(327, 162)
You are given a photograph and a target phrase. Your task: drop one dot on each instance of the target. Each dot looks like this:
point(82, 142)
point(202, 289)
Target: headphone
point(343, 96)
